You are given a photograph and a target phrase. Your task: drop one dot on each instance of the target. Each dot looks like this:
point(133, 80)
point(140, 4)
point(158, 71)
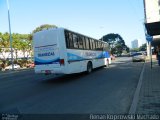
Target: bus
point(62, 51)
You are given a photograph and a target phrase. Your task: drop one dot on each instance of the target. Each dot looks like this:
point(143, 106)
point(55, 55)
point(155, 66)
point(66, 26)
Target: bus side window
point(99, 46)
point(87, 43)
point(84, 43)
point(93, 44)
point(67, 39)
point(80, 42)
point(90, 44)
point(70, 40)
point(102, 46)
point(105, 47)
point(75, 41)
point(96, 44)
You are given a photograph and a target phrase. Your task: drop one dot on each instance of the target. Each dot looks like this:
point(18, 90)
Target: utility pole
point(10, 35)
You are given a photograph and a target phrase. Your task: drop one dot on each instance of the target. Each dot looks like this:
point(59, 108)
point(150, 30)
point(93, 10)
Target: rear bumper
point(49, 69)
point(138, 59)
point(45, 71)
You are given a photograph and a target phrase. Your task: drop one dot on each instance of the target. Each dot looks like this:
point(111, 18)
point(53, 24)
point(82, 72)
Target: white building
point(5, 53)
point(139, 42)
point(152, 21)
point(152, 10)
point(134, 44)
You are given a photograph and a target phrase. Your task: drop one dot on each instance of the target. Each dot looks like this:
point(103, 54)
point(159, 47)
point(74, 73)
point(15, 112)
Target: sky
point(93, 18)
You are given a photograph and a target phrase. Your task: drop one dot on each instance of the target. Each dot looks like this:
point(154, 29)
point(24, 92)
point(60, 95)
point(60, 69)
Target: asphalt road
point(106, 90)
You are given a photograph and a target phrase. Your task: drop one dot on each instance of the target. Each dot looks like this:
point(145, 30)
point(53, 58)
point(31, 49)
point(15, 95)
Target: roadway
point(106, 90)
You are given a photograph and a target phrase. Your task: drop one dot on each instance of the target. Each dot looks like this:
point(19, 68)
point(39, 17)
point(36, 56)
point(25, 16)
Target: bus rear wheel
point(89, 67)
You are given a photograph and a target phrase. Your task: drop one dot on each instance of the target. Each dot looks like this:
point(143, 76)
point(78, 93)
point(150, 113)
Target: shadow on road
point(60, 79)
point(63, 79)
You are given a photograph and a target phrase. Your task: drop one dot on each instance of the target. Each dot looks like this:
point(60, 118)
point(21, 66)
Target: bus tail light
point(61, 61)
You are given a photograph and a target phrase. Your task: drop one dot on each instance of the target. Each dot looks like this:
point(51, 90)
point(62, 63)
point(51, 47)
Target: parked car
point(15, 66)
point(113, 57)
point(31, 65)
point(138, 57)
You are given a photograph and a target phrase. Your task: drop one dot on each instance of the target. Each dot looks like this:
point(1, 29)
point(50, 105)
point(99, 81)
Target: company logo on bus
point(46, 54)
point(90, 54)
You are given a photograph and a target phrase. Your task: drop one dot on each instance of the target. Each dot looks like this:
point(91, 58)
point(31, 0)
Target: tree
point(22, 42)
point(4, 47)
point(41, 27)
point(116, 43)
point(45, 26)
point(4, 40)
point(143, 47)
point(134, 50)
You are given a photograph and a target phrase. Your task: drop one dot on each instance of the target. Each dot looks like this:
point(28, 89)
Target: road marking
point(133, 107)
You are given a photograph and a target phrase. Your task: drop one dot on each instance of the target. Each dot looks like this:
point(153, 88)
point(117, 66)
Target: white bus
point(61, 51)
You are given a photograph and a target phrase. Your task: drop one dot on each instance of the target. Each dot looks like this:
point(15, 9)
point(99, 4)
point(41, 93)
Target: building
point(152, 22)
point(139, 42)
point(17, 54)
point(134, 44)
point(152, 10)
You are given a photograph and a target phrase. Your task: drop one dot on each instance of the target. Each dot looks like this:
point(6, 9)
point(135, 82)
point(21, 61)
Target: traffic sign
point(149, 38)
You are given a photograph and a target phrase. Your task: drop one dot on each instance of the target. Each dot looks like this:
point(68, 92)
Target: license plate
point(48, 71)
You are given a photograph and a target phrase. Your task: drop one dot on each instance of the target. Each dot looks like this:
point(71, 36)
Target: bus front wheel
point(89, 67)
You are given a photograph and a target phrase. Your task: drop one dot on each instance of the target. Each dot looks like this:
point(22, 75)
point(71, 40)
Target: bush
point(22, 62)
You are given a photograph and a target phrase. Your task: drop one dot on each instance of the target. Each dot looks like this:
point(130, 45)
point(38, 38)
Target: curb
point(14, 71)
point(133, 107)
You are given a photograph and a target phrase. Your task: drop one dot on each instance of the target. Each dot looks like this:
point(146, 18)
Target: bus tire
point(89, 67)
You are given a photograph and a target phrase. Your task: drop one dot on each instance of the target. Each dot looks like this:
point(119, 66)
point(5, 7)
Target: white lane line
point(133, 107)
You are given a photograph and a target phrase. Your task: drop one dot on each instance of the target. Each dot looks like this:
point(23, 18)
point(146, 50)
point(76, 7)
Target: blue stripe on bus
point(40, 61)
point(74, 57)
point(101, 55)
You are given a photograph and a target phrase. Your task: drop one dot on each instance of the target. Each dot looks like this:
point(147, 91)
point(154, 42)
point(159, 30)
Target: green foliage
point(4, 43)
point(143, 47)
point(135, 50)
point(124, 51)
point(22, 62)
point(45, 26)
point(20, 42)
point(41, 27)
point(4, 40)
point(116, 43)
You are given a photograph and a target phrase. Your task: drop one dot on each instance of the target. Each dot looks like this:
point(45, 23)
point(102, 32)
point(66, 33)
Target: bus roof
point(63, 29)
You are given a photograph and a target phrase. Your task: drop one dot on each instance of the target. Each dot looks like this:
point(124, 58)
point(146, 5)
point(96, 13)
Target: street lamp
point(10, 35)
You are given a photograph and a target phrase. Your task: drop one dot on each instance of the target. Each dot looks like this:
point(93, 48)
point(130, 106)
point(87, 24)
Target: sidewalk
point(149, 97)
